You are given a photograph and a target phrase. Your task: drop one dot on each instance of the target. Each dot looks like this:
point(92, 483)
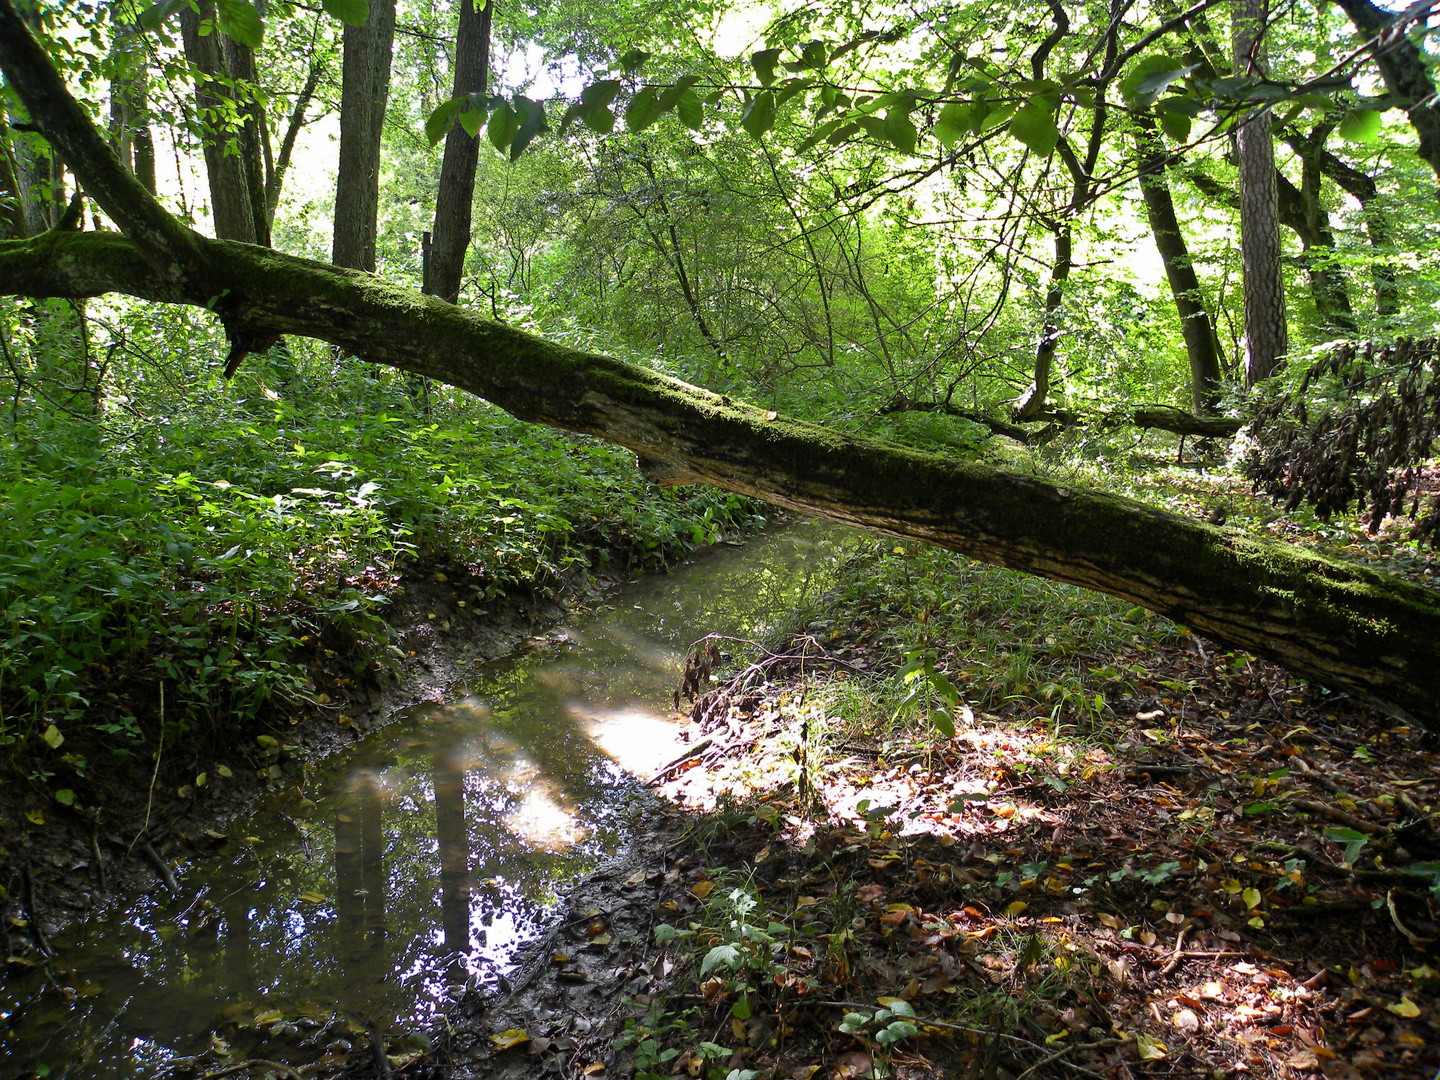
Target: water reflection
point(432, 848)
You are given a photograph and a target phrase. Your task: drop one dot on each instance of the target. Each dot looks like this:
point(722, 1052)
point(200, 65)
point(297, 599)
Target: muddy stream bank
point(408, 870)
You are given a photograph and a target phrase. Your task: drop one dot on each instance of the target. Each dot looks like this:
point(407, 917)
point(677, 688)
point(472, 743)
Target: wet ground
point(371, 890)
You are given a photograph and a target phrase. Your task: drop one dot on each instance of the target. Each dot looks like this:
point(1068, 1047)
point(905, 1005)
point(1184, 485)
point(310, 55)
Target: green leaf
point(1360, 126)
point(953, 122)
point(531, 116)
point(643, 110)
point(814, 55)
point(600, 93)
point(153, 16)
point(241, 21)
point(52, 737)
point(354, 12)
point(944, 721)
point(741, 1009)
point(720, 956)
point(1176, 125)
point(472, 120)
point(600, 120)
point(502, 127)
point(1035, 127)
point(759, 115)
point(65, 797)
point(690, 110)
point(672, 94)
point(764, 63)
point(900, 130)
point(633, 61)
point(1151, 77)
point(441, 119)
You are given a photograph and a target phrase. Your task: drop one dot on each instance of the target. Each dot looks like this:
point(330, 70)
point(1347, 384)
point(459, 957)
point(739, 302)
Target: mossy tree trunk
point(1346, 626)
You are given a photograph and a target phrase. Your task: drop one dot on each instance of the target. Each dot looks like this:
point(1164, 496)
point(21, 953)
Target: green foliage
point(212, 539)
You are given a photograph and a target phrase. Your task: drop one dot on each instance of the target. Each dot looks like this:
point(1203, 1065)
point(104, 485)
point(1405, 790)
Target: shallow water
point(419, 859)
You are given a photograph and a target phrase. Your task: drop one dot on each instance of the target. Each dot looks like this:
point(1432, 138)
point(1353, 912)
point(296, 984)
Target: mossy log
point(1343, 625)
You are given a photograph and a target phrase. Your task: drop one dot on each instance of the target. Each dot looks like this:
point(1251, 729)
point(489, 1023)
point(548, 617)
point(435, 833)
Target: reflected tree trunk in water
point(360, 885)
point(454, 852)
point(239, 974)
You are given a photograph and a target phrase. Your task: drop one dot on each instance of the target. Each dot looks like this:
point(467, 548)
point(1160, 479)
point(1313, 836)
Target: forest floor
point(1214, 870)
point(1208, 888)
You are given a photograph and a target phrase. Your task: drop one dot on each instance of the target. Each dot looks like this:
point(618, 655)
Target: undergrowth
point(170, 534)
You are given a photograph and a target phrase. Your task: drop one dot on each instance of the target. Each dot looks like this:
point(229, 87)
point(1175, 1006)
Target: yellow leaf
point(593, 1069)
point(35, 817)
point(1405, 1007)
point(1251, 897)
point(1110, 920)
point(509, 1038)
point(223, 770)
point(1424, 973)
point(1150, 1049)
point(703, 889)
point(312, 897)
point(264, 1018)
point(637, 878)
point(805, 901)
point(600, 939)
point(1016, 908)
point(202, 779)
point(52, 737)
point(322, 698)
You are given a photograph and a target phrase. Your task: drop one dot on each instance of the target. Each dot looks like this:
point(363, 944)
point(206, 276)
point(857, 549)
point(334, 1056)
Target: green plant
point(883, 1028)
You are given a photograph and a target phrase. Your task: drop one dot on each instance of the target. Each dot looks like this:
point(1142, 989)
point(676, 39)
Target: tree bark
point(455, 200)
point(365, 87)
point(230, 203)
point(1202, 346)
point(1266, 337)
point(252, 136)
point(129, 94)
point(1343, 625)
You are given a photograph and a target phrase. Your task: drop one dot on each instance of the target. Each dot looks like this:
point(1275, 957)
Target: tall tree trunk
point(1266, 333)
point(454, 202)
point(1301, 210)
point(230, 202)
point(365, 88)
point(1202, 346)
point(129, 94)
point(12, 212)
point(1362, 187)
point(240, 62)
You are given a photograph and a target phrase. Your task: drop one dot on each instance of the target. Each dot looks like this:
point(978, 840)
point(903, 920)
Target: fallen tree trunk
point(1343, 625)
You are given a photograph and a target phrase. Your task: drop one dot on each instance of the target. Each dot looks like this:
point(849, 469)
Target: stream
point(419, 859)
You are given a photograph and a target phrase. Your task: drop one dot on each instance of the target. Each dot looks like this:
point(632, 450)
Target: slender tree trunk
point(455, 200)
point(12, 213)
point(1266, 334)
point(365, 87)
point(230, 203)
point(1361, 186)
point(240, 62)
point(129, 93)
point(275, 171)
point(1202, 346)
point(1301, 210)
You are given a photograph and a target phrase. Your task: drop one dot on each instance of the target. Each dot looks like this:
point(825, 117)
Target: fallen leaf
point(1405, 1007)
point(1150, 1049)
point(702, 889)
point(512, 1037)
point(35, 817)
